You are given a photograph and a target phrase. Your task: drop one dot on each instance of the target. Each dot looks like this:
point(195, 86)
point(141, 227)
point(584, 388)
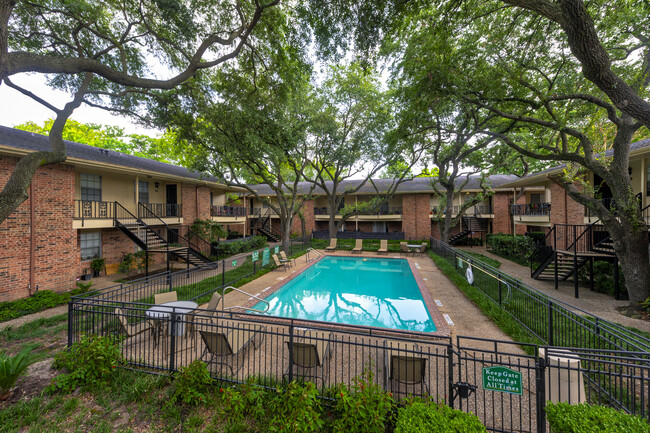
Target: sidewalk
point(598, 304)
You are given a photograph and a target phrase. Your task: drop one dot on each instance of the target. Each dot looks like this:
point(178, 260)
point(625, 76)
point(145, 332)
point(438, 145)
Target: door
point(171, 208)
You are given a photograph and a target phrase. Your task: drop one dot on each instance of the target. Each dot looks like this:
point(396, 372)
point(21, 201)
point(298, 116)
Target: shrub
point(191, 383)
point(98, 264)
point(127, 264)
point(296, 409)
point(207, 229)
point(511, 245)
point(422, 416)
point(227, 249)
point(364, 408)
point(89, 362)
point(567, 418)
point(40, 301)
point(83, 287)
point(603, 277)
point(11, 367)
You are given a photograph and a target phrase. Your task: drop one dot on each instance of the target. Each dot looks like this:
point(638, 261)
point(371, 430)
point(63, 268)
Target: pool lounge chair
point(404, 366)
point(283, 256)
point(278, 262)
point(423, 248)
point(403, 248)
point(161, 298)
point(332, 246)
point(308, 353)
point(358, 246)
point(212, 305)
point(223, 345)
point(383, 246)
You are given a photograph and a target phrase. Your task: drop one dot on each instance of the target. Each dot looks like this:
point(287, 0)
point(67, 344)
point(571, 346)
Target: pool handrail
point(310, 249)
point(244, 308)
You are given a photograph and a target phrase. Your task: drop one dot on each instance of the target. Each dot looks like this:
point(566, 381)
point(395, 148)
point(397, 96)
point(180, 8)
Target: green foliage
point(42, 300)
point(83, 286)
point(127, 264)
point(366, 408)
point(141, 260)
point(603, 277)
point(227, 249)
point(485, 259)
point(89, 362)
point(296, 409)
point(422, 416)
point(646, 304)
point(514, 247)
point(209, 230)
point(98, 264)
point(568, 418)
point(191, 384)
point(11, 367)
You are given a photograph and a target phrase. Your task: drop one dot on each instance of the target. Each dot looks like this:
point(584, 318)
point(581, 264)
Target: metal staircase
point(158, 237)
point(469, 225)
point(262, 225)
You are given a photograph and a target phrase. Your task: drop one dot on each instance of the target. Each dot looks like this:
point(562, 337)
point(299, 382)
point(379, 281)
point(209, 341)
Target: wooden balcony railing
point(93, 210)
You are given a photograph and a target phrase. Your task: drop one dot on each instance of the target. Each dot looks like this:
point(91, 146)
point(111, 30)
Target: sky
point(15, 108)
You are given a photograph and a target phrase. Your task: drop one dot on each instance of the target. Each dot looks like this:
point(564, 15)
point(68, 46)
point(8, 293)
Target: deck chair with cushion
point(278, 262)
point(212, 305)
point(283, 257)
point(403, 248)
point(332, 246)
point(131, 330)
point(405, 367)
point(383, 246)
point(423, 248)
point(223, 344)
point(162, 298)
point(358, 246)
point(309, 351)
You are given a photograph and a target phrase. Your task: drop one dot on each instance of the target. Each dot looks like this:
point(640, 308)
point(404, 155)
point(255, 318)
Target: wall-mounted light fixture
point(156, 185)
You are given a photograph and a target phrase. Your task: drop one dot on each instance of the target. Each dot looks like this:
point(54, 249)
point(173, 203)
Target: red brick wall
point(190, 194)
point(55, 248)
point(415, 218)
point(310, 223)
point(501, 208)
point(563, 209)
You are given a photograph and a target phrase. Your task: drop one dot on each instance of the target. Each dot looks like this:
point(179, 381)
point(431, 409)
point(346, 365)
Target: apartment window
point(379, 227)
point(143, 191)
point(535, 198)
point(90, 245)
point(91, 187)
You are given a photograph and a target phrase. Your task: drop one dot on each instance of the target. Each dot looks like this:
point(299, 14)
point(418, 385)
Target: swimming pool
point(358, 291)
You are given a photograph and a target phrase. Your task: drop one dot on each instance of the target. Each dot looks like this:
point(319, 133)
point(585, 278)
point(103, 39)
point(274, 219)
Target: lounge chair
point(308, 352)
point(383, 246)
point(403, 366)
point(223, 343)
point(162, 298)
point(332, 246)
point(423, 248)
point(283, 256)
point(358, 246)
point(403, 248)
point(134, 329)
point(279, 262)
point(214, 302)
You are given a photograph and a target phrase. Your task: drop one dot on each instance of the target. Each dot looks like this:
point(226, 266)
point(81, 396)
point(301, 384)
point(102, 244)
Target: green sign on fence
point(502, 379)
point(234, 263)
point(266, 256)
point(277, 249)
point(255, 256)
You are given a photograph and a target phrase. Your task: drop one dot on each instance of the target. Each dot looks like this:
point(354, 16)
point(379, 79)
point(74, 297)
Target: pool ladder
point(244, 308)
point(316, 252)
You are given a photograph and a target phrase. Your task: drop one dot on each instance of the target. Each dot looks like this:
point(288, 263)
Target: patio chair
point(162, 298)
point(358, 246)
point(223, 343)
point(283, 256)
point(423, 248)
point(403, 248)
point(283, 263)
point(332, 246)
point(383, 246)
point(214, 302)
point(405, 367)
point(131, 330)
point(308, 353)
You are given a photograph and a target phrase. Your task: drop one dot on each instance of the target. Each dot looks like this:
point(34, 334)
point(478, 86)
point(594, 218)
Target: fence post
point(450, 368)
point(455, 260)
point(540, 392)
point(172, 342)
point(291, 352)
point(575, 272)
point(499, 291)
point(70, 323)
point(550, 322)
point(223, 272)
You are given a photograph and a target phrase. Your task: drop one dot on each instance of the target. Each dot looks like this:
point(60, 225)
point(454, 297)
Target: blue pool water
point(356, 291)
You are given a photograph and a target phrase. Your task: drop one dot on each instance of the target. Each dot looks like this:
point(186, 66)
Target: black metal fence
point(551, 321)
point(325, 234)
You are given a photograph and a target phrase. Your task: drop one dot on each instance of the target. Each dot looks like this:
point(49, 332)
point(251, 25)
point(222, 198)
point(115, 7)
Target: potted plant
point(97, 264)
point(86, 274)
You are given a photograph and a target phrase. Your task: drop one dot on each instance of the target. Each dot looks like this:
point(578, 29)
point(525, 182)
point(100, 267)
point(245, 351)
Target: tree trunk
point(286, 235)
point(332, 225)
point(632, 251)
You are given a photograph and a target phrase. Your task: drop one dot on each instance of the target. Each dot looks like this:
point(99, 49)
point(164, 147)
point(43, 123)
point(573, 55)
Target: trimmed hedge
point(421, 416)
point(227, 249)
point(515, 247)
point(567, 418)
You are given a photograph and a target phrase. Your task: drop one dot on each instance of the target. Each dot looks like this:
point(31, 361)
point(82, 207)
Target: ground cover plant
point(568, 418)
point(40, 301)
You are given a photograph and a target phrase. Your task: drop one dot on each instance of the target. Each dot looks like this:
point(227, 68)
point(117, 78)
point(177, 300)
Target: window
point(379, 227)
point(91, 187)
point(535, 198)
point(90, 245)
point(143, 191)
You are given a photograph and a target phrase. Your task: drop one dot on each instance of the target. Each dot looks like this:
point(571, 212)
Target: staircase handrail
point(191, 234)
point(167, 229)
point(139, 221)
point(541, 245)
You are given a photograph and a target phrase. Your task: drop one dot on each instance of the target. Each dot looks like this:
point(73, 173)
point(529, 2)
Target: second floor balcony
point(382, 211)
point(228, 211)
point(100, 214)
point(531, 210)
point(477, 211)
point(160, 210)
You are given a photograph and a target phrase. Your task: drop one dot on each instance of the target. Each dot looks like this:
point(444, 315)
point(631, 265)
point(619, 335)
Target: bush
point(567, 418)
point(603, 277)
point(366, 408)
point(209, 230)
point(227, 249)
point(98, 264)
point(191, 383)
point(91, 361)
point(296, 409)
point(12, 367)
point(40, 301)
point(536, 236)
point(511, 246)
point(422, 416)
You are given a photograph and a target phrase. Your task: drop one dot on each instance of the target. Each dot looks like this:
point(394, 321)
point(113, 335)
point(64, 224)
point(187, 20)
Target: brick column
point(416, 223)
